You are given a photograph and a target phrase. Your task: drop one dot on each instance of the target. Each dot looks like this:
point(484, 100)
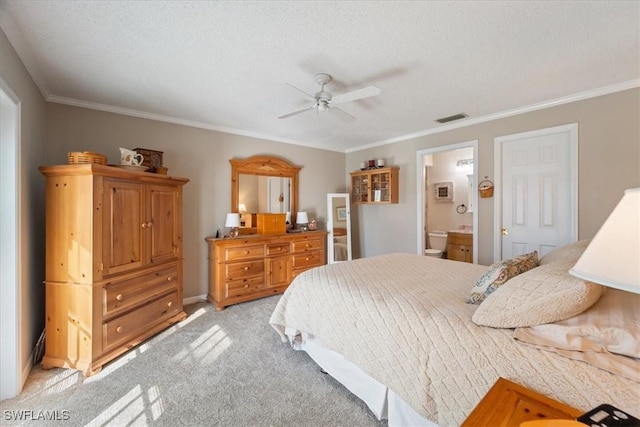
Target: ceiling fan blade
point(365, 92)
point(341, 114)
point(306, 95)
point(293, 113)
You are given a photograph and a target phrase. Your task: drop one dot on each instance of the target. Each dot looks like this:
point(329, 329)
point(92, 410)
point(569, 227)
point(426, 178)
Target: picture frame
point(443, 192)
point(341, 213)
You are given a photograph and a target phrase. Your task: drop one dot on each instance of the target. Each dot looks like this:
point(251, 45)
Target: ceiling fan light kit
point(324, 100)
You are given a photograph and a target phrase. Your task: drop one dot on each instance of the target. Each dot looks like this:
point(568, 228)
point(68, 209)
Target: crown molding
point(520, 110)
point(178, 121)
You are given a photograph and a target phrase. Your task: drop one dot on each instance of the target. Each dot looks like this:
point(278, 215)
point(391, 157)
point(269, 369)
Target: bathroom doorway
point(446, 196)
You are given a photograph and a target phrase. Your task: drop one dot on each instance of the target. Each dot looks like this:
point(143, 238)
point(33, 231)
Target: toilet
point(438, 240)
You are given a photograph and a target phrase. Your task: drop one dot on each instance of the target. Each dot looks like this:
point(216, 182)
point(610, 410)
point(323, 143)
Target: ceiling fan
point(324, 101)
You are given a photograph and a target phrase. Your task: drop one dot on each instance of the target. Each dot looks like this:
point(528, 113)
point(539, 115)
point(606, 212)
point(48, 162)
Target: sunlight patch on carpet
point(61, 382)
point(207, 347)
point(135, 407)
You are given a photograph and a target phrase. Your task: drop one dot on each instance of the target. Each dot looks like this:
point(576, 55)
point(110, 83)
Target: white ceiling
point(225, 65)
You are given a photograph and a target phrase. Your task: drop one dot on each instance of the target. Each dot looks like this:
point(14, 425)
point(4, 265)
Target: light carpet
point(225, 368)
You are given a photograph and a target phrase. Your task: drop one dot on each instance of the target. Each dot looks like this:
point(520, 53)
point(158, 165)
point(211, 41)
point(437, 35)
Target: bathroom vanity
point(460, 246)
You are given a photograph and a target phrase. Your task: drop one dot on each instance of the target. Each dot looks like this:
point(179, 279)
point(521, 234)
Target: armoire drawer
point(135, 322)
point(120, 296)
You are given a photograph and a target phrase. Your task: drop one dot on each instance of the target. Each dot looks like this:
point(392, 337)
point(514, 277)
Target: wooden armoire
point(113, 261)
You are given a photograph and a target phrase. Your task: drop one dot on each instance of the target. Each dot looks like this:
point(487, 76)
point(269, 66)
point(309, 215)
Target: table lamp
point(613, 256)
point(233, 222)
point(302, 219)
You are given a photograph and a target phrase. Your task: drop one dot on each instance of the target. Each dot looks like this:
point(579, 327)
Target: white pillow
point(547, 293)
point(569, 252)
point(607, 335)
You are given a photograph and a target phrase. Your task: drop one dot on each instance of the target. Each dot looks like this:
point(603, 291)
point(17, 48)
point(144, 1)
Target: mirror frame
point(331, 223)
point(264, 166)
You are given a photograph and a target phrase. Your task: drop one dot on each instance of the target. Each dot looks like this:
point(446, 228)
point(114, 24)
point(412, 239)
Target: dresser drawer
point(307, 245)
point(123, 295)
point(278, 248)
point(307, 260)
point(131, 324)
point(243, 252)
point(242, 270)
point(235, 288)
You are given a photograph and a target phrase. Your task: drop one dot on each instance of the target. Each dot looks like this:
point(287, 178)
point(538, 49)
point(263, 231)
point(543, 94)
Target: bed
point(398, 332)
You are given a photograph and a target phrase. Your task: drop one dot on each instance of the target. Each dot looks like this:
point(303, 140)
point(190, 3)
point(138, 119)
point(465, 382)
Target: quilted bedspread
point(403, 320)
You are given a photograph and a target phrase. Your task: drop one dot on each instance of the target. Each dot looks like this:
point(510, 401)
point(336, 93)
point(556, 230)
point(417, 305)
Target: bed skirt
point(384, 403)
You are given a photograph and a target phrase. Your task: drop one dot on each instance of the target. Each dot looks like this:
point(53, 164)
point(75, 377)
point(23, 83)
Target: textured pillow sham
point(545, 294)
point(498, 274)
point(607, 335)
point(568, 252)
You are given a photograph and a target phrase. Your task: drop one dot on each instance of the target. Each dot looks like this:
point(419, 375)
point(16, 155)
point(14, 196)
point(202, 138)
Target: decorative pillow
point(499, 273)
point(569, 252)
point(545, 294)
point(607, 335)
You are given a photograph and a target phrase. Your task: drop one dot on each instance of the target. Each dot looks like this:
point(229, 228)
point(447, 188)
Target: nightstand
point(508, 404)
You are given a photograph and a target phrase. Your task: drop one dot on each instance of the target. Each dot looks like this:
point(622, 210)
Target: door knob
point(505, 231)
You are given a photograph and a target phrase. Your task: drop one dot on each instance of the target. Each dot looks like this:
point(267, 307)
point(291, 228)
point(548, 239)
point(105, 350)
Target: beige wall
point(200, 155)
point(609, 162)
point(30, 196)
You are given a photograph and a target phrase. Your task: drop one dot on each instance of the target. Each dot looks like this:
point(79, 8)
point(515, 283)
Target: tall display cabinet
point(113, 261)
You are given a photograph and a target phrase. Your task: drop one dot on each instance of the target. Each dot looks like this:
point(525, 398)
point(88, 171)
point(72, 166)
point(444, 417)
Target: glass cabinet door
point(360, 188)
point(380, 187)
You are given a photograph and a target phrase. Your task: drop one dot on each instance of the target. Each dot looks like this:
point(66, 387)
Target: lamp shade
point(302, 218)
point(233, 220)
point(613, 256)
point(242, 208)
point(287, 218)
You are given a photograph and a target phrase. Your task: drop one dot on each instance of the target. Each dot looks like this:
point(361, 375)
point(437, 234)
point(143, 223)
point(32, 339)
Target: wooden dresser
point(460, 246)
point(113, 262)
point(250, 267)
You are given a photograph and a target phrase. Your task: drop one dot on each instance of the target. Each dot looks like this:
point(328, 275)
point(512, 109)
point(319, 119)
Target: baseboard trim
point(193, 300)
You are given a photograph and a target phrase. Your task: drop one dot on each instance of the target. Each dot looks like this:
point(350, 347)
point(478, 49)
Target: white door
point(537, 201)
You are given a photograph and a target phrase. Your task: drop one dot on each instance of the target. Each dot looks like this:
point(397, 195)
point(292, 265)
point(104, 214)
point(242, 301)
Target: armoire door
point(163, 226)
point(123, 205)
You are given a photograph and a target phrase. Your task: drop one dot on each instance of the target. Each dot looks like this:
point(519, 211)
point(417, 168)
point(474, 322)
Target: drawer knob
point(169, 278)
point(144, 225)
point(307, 258)
point(246, 268)
point(170, 303)
point(246, 252)
point(119, 297)
point(149, 224)
point(119, 329)
point(246, 286)
point(307, 245)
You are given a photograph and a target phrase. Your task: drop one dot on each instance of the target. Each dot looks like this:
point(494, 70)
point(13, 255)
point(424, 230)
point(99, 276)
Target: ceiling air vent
point(452, 118)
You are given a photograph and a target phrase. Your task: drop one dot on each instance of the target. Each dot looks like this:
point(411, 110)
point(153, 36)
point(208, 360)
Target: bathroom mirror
point(262, 184)
point(338, 227)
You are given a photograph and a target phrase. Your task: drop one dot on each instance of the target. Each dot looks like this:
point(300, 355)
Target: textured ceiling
point(225, 65)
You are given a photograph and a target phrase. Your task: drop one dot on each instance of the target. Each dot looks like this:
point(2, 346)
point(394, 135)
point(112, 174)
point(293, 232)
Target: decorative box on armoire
point(113, 269)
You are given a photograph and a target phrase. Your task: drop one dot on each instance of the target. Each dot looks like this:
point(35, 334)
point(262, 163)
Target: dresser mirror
point(338, 227)
point(262, 184)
